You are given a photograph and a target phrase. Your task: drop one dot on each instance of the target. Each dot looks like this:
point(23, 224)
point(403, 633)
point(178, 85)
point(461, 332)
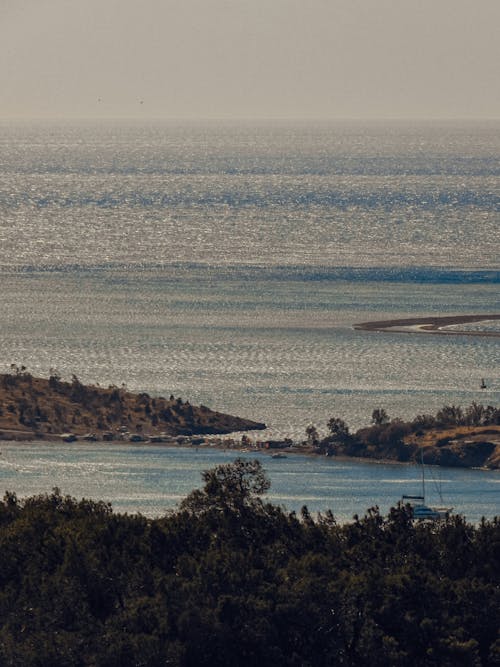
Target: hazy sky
point(250, 58)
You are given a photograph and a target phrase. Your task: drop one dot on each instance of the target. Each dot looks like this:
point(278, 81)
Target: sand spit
point(432, 325)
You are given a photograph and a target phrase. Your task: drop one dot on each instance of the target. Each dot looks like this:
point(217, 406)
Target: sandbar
point(432, 325)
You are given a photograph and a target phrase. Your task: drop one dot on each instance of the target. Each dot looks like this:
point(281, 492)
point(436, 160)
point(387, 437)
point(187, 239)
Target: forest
point(230, 579)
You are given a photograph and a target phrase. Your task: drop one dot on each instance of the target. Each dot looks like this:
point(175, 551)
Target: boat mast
point(423, 474)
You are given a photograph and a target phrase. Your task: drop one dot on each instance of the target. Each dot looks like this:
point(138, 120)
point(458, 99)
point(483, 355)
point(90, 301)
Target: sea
point(227, 263)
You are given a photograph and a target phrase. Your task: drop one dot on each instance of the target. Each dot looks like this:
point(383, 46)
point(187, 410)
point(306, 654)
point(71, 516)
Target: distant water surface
point(228, 263)
point(279, 349)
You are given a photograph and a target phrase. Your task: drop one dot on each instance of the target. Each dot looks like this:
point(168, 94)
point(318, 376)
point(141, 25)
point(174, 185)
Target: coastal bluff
point(454, 447)
point(36, 408)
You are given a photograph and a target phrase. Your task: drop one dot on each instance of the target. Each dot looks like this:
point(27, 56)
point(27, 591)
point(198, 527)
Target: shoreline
point(58, 412)
point(431, 325)
point(236, 450)
point(219, 447)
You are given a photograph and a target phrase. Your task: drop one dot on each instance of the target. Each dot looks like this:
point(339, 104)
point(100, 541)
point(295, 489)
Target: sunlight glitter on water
point(228, 265)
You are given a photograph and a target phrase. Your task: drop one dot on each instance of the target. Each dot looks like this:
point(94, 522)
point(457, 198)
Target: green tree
point(476, 414)
point(380, 417)
point(232, 486)
point(312, 435)
point(450, 415)
point(338, 428)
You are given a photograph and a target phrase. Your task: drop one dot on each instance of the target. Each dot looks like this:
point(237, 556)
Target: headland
point(33, 408)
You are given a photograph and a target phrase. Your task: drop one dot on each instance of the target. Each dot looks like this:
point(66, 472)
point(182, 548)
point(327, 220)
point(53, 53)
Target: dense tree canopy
point(229, 579)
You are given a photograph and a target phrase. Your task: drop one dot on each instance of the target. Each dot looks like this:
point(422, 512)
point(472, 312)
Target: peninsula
point(34, 408)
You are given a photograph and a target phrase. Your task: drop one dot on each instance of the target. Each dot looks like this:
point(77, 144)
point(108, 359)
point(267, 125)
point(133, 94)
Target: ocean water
point(228, 263)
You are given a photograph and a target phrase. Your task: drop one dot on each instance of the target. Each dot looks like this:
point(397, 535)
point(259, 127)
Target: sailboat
point(420, 510)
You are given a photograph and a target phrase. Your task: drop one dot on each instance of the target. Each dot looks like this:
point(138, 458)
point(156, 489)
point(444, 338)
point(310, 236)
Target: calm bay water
point(227, 264)
point(153, 479)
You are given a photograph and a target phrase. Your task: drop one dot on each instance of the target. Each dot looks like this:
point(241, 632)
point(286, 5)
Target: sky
point(321, 59)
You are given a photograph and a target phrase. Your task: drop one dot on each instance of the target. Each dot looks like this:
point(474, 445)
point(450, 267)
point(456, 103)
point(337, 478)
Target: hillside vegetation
point(36, 407)
point(453, 437)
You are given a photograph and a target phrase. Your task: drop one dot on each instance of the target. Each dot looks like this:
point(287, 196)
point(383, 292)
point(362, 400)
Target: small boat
point(420, 510)
point(278, 455)
point(136, 437)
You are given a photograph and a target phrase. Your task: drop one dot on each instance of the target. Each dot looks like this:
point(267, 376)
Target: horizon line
point(258, 119)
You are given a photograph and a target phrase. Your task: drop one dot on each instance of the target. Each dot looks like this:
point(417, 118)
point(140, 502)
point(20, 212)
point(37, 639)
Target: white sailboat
point(420, 510)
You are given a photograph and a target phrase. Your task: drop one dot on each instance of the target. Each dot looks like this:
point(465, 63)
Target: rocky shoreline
point(37, 409)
